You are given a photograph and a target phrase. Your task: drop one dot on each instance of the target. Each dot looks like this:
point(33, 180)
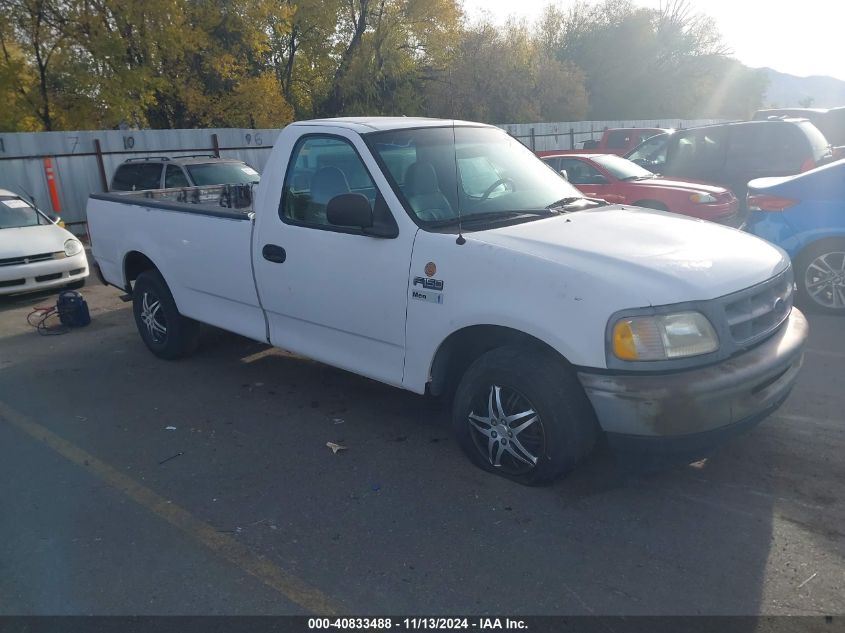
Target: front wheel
point(820, 276)
point(163, 329)
point(521, 413)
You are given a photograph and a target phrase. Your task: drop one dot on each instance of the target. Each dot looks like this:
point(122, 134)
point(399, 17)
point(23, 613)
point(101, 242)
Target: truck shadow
point(423, 530)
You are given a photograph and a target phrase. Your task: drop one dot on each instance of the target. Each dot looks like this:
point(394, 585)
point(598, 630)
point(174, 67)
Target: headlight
point(663, 337)
point(702, 198)
point(73, 247)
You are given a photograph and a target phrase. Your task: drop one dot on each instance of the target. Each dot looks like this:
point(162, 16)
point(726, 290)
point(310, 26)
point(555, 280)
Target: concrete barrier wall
point(75, 160)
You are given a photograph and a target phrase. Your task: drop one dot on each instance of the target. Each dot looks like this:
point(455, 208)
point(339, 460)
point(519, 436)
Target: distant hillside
point(788, 90)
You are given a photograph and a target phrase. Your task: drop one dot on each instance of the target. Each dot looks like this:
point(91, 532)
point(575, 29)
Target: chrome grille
point(756, 312)
point(29, 259)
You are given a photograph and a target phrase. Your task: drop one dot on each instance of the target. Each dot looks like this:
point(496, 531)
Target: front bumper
point(43, 275)
point(699, 406)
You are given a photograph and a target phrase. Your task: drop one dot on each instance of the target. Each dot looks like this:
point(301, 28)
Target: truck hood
point(651, 257)
point(32, 240)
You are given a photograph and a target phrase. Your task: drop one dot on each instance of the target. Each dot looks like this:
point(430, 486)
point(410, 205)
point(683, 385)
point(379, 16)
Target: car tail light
point(807, 165)
point(769, 203)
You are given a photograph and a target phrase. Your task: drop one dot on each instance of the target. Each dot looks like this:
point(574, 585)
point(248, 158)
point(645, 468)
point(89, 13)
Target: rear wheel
point(820, 276)
point(164, 330)
point(521, 413)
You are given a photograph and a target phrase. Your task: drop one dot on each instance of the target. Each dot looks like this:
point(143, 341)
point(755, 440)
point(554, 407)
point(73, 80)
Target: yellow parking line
point(291, 587)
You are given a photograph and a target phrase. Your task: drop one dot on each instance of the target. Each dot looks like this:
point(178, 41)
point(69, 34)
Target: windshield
point(651, 152)
point(16, 213)
point(204, 174)
point(622, 168)
point(477, 171)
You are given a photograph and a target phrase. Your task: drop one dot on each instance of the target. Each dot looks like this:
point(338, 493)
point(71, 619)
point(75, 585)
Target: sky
point(803, 39)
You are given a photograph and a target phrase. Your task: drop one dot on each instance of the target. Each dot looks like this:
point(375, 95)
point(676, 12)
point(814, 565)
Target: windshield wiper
point(471, 218)
point(569, 201)
point(629, 178)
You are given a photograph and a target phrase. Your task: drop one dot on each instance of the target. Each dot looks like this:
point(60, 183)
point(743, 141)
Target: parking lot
point(131, 485)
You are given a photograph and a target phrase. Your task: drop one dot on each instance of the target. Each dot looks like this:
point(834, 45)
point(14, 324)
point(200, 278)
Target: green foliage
point(639, 63)
point(75, 64)
point(519, 78)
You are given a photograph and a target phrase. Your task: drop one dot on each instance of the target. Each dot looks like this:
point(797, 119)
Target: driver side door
point(333, 293)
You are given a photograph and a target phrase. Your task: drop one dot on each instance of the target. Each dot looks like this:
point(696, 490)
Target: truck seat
point(424, 195)
point(327, 183)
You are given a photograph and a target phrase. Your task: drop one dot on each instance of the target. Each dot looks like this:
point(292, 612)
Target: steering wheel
point(496, 185)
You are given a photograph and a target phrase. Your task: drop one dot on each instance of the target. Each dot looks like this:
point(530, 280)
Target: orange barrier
point(51, 184)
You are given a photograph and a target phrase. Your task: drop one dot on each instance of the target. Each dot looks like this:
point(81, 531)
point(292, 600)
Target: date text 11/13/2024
point(417, 623)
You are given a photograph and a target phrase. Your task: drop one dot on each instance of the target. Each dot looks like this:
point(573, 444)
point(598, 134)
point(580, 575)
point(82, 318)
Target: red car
point(620, 181)
point(617, 140)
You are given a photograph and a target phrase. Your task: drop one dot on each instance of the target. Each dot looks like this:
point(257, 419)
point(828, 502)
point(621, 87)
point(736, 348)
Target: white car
point(36, 253)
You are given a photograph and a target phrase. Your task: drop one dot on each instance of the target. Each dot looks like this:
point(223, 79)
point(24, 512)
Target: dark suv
point(830, 121)
point(161, 172)
point(731, 154)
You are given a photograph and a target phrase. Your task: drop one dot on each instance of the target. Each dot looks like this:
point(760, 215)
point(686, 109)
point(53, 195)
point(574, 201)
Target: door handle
point(273, 253)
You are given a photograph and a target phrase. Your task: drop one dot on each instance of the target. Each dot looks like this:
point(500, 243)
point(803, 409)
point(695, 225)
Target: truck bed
point(232, 201)
point(200, 240)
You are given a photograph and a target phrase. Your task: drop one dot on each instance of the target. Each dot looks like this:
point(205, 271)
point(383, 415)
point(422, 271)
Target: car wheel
point(820, 277)
point(164, 330)
point(521, 413)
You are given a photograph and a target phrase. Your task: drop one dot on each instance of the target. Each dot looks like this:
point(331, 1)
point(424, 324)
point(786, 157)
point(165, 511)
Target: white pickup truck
point(444, 257)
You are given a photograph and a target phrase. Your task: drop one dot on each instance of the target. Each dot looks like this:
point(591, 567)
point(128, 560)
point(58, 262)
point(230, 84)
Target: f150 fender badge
point(429, 284)
point(430, 290)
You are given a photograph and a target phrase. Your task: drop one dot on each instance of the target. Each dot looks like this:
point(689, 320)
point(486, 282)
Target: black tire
point(651, 204)
point(76, 285)
point(809, 270)
point(562, 436)
point(171, 335)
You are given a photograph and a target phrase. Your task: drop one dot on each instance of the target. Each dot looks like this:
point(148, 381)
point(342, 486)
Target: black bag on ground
point(72, 309)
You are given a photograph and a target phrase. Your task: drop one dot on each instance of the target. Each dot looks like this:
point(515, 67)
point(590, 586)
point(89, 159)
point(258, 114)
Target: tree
point(195, 63)
point(639, 63)
point(505, 76)
point(32, 35)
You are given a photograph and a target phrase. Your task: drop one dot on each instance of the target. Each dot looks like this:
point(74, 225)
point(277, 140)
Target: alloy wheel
point(824, 280)
point(510, 435)
point(152, 317)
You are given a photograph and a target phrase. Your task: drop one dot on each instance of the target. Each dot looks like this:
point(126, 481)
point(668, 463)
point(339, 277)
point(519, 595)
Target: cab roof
point(366, 124)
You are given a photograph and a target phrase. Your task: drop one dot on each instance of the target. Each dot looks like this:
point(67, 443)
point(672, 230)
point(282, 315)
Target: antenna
point(460, 241)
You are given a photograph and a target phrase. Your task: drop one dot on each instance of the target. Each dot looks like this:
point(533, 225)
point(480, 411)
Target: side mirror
point(55, 218)
point(350, 209)
point(565, 174)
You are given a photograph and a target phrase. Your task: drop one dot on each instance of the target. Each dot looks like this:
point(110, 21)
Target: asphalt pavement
point(132, 485)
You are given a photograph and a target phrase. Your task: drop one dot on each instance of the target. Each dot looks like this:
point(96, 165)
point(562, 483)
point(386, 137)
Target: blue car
point(805, 216)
